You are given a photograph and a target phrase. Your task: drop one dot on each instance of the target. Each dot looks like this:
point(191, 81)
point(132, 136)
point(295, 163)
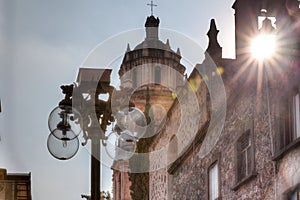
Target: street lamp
point(83, 110)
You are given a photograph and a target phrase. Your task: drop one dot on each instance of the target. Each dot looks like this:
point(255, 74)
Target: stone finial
point(168, 43)
point(214, 49)
point(128, 48)
point(178, 52)
point(213, 32)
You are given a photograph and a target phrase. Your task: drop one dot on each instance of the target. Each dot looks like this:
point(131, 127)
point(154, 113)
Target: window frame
point(22, 190)
point(295, 107)
point(216, 161)
point(287, 194)
point(285, 138)
point(250, 173)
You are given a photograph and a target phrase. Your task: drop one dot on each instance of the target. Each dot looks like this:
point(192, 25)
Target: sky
point(42, 46)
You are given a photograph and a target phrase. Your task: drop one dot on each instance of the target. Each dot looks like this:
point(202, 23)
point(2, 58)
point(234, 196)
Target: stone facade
point(252, 100)
point(120, 182)
point(191, 176)
point(257, 151)
point(177, 131)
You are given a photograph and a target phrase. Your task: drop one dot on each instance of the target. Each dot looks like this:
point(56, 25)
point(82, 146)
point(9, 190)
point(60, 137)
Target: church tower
point(284, 12)
point(246, 24)
point(152, 64)
point(154, 72)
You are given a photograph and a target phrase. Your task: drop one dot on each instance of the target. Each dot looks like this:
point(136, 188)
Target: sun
point(263, 46)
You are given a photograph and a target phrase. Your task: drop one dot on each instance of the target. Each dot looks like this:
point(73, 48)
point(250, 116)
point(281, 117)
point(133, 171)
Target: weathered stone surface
point(254, 95)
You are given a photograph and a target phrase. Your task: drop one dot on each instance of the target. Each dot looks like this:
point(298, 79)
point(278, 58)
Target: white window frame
point(213, 182)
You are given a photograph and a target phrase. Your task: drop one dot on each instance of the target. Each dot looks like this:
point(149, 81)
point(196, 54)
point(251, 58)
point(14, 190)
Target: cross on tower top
point(152, 5)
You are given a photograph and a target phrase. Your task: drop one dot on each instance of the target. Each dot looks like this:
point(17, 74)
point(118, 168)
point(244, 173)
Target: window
point(244, 155)
point(293, 194)
point(263, 15)
point(22, 191)
point(213, 182)
point(134, 78)
point(157, 75)
point(295, 117)
point(245, 167)
point(288, 116)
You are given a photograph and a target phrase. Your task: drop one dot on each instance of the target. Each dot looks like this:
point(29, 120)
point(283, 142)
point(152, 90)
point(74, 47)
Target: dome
point(153, 44)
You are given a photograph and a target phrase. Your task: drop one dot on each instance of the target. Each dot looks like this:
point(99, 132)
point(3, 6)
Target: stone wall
point(287, 160)
point(121, 183)
point(246, 104)
point(183, 120)
point(288, 176)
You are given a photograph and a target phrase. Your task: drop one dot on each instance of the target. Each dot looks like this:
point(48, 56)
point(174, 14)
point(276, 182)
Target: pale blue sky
point(42, 45)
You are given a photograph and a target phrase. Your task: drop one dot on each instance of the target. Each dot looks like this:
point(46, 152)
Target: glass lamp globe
point(133, 120)
point(64, 134)
point(64, 121)
point(62, 149)
point(111, 143)
point(125, 146)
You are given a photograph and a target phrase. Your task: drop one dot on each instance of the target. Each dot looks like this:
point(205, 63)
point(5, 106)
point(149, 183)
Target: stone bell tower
point(153, 71)
point(152, 64)
point(246, 24)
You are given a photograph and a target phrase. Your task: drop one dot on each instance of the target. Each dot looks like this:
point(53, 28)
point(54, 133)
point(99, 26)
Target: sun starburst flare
point(263, 46)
